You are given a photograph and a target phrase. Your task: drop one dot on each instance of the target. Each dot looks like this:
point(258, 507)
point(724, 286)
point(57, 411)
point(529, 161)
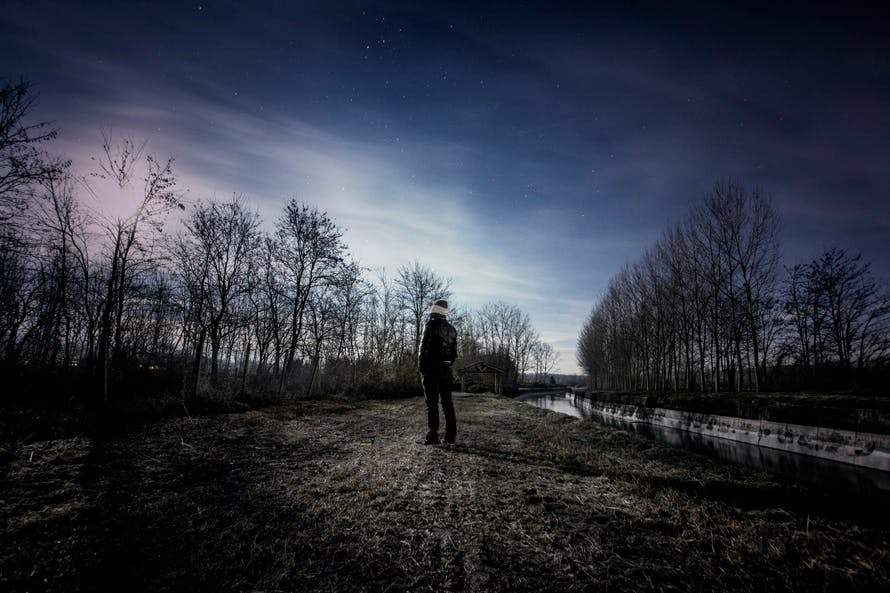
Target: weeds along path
point(328, 496)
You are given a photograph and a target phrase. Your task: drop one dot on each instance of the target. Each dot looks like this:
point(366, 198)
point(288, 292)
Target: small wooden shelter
point(481, 368)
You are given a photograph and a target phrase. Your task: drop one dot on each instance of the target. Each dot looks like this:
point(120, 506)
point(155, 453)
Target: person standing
point(438, 350)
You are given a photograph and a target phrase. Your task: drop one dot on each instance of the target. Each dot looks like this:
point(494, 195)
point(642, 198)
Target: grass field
point(335, 496)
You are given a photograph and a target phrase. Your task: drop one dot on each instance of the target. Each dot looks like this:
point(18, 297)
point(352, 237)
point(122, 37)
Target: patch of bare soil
point(331, 496)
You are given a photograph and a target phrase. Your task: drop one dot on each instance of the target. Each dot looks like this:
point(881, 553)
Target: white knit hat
point(440, 307)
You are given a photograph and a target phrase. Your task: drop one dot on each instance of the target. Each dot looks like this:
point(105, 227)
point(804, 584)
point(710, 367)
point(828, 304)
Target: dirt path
point(337, 497)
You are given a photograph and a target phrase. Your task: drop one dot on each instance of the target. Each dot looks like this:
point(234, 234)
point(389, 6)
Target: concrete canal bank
point(848, 462)
point(862, 448)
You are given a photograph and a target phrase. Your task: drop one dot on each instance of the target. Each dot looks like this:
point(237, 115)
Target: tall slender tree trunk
point(214, 356)
point(196, 365)
point(105, 327)
point(244, 369)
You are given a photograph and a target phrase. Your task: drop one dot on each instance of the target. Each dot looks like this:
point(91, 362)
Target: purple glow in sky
point(526, 152)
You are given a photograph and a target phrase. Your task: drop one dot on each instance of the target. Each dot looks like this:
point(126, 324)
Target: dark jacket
point(439, 343)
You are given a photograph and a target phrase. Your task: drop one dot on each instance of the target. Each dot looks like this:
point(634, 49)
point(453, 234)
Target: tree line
point(708, 308)
point(106, 301)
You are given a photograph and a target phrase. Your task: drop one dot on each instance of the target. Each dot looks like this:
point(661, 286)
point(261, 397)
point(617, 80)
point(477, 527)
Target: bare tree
point(507, 338)
point(419, 286)
point(22, 163)
point(750, 230)
point(310, 251)
point(382, 318)
point(592, 351)
point(701, 301)
point(18, 294)
point(544, 358)
point(58, 228)
point(122, 164)
point(216, 256)
point(332, 320)
point(469, 344)
point(268, 307)
point(854, 306)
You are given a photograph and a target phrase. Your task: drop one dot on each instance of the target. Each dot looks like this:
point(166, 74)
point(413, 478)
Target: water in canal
point(842, 478)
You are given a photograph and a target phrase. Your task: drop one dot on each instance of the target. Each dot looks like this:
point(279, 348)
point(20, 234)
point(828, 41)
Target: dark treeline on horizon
point(707, 308)
point(106, 307)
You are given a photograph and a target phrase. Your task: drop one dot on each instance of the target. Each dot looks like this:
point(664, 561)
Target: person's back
point(438, 351)
point(439, 342)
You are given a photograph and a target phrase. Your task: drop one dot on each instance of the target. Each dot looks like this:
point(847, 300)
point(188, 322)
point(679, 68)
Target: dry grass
point(338, 497)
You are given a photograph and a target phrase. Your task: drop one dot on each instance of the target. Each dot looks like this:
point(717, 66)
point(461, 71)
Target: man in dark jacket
point(438, 349)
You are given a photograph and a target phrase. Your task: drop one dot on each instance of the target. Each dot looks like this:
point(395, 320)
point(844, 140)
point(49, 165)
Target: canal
point(840, 478)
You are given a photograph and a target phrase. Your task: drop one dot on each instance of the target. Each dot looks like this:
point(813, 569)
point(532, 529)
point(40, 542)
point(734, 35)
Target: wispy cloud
point(528, 161)
point(383, 196)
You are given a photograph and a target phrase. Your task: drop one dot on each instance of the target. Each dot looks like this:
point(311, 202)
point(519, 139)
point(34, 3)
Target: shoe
point(427, 441)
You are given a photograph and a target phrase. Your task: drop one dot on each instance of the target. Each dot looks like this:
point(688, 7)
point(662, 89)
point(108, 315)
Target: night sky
point(526, 152)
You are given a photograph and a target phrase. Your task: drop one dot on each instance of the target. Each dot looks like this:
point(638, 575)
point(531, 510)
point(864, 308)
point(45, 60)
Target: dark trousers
point(437, 382)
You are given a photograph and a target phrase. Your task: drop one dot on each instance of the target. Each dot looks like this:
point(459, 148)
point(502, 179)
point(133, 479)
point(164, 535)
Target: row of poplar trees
point(97, 292)
point(709, 308)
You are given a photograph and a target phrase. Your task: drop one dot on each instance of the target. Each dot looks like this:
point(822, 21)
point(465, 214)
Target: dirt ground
point(329, 496)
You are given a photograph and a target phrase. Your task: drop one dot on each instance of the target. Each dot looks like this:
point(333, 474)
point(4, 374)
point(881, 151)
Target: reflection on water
point(830, 475)
point(563, 403)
